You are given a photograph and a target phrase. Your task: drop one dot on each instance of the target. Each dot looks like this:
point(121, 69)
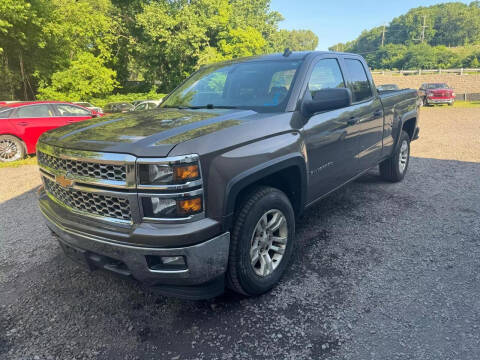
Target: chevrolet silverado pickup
point(202, 193)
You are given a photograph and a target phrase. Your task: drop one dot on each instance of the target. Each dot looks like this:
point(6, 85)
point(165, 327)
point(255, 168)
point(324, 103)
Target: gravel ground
point(382, 271)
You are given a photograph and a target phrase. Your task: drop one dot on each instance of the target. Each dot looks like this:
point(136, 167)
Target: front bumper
point(203, 276)
point(439, 101)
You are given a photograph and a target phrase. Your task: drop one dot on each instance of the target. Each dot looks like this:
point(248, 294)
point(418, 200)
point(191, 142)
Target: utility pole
point(383, 34)
point(424, 26)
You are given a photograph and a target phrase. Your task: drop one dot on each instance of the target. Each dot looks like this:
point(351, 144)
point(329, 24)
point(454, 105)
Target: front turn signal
point(186, 172)
point(189, 206)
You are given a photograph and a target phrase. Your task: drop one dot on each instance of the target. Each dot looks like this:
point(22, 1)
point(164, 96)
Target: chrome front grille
point(89, 202)
point(103, 185)
point(83, 169)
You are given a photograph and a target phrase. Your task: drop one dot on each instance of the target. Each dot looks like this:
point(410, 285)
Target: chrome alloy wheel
point(269, 241)
point(8, 150)
point(403, 158)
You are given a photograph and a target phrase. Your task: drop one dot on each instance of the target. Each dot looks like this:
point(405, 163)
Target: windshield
point(437, 86)
point(259, 85)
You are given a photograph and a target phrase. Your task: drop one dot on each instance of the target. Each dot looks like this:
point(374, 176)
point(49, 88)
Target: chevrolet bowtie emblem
point(63, 181)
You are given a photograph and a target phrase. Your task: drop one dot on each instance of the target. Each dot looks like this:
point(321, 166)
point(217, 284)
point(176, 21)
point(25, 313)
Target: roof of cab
point(294, 55)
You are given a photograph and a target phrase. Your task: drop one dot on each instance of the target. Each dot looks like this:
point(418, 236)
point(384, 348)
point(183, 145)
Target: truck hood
point(149, 133)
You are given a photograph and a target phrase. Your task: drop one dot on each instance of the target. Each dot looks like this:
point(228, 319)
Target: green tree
point(86, 77)
point(295, 40)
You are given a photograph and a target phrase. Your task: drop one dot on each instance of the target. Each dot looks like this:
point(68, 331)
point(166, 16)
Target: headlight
point(170, 188)
point(153, 174)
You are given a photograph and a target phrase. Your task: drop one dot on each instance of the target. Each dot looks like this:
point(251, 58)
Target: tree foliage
point(44, 42)
point(86, 77)
point(446, 25)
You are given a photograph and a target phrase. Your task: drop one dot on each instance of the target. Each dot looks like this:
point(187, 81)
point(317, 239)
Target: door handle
point(22, 123)
point(352, 121)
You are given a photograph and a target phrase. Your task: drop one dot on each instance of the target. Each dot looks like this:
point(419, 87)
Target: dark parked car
point(204, 192)
point(120, 107)
point(388, 87)
point(436, 93)
point(22, 123)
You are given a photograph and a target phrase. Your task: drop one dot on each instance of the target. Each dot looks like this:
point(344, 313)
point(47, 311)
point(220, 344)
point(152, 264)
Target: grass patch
point(29, 160)
point(467, 104)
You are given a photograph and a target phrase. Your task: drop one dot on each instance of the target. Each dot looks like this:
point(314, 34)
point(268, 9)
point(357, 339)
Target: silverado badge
point(63, 181)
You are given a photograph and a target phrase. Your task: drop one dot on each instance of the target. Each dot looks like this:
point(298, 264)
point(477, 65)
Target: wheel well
point(287, 180)
point(409, 127)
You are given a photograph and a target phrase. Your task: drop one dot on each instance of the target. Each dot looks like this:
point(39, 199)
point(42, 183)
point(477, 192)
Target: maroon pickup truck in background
point(436, 93)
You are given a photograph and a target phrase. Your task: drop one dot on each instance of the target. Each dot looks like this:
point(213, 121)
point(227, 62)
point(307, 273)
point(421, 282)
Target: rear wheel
point(262, 241)
point(395, 168)
point(11, 148)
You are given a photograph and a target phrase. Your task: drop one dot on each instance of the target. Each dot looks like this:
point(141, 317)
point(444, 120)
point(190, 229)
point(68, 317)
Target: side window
point(141, 107)
point(70, 110)
point(359, 80)
point(33, 111)
point(325, 75)
point(151, 106)
point(5, 114)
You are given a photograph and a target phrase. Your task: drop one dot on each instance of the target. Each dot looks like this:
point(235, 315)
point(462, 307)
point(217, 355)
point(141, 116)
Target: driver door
point(329, 136)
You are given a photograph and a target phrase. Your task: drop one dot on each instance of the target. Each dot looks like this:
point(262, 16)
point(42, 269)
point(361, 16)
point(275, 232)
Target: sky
point(341, 20)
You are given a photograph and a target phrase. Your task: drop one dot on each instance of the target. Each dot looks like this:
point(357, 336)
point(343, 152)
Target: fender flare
point(256, 173)
point(413, 114)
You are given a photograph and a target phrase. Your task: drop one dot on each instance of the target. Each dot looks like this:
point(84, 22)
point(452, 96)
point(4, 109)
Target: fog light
point(173, 260)
point(159, 263)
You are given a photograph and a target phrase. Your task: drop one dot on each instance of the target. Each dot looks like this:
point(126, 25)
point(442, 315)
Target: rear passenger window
point(33, 111)
point(359, 80)
point(325, 75)
point(69, 110)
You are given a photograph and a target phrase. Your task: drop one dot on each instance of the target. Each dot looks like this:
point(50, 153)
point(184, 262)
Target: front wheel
point(11, 148)
point(395, 168)
point(262, 241)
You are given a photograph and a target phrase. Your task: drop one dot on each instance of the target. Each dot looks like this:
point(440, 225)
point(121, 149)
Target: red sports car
point(22, 123)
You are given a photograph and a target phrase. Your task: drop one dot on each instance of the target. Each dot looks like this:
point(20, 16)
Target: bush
point(86, 77)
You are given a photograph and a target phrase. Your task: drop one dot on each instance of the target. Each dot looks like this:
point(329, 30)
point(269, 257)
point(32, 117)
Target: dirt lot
point(449, 134)
point(383, 271)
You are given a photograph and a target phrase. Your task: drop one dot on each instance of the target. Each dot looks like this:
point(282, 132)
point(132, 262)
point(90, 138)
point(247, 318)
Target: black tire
point(241, 276)
point(391, 169)
point(450, 104)
point(11, 148)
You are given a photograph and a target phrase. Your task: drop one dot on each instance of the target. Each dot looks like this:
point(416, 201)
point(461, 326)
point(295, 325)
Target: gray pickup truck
point(203, 192)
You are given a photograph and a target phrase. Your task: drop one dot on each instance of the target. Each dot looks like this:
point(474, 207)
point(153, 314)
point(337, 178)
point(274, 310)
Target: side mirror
point(327, 99)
